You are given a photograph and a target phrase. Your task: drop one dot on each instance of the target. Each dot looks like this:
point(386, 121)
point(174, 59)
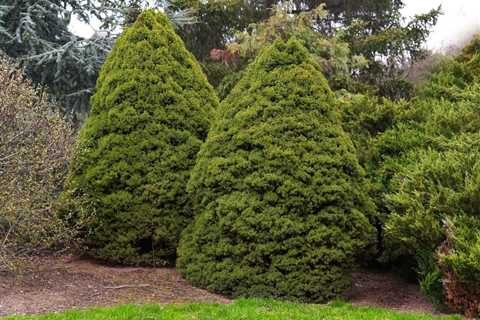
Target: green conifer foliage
point(279, 202)
point(150, 114)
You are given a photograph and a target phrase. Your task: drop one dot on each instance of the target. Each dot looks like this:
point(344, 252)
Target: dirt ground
point(69, 283)
point(387, 290)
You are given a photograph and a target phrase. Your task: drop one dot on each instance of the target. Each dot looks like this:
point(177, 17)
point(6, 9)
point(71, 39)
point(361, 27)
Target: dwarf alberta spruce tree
point(150, 114)
point(280, 204)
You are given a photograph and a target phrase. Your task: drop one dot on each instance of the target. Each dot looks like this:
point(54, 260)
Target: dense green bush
point(365, 118)
point(445, 107)
point(441, 184)
point(281, 207)
point(421, 124)
point(150, 114)
point(428, 162)
point(421, 158)
point(411, 159)
point(448, 81)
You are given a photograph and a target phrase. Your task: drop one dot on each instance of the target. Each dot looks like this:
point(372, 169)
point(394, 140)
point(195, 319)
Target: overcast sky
point(460, 20)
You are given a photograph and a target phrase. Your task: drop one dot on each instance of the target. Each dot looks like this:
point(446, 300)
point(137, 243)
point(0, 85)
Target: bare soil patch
point(68, 283)
point(62, 283)
point(387, 290)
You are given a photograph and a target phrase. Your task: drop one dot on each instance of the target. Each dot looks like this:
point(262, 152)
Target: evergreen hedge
point(428, 161)
point(150, 114)
point(280, 202)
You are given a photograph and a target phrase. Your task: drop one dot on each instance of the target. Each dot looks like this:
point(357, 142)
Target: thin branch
point(128, 286)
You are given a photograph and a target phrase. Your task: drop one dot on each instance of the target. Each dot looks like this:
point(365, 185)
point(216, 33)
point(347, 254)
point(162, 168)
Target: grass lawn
point(244, 309)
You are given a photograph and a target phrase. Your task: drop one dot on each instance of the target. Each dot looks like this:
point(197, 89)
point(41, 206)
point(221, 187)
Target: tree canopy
point(37, 35)
point(375, 30)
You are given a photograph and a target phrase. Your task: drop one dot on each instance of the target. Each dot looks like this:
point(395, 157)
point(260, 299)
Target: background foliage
point(375, 30)
point(38, 36)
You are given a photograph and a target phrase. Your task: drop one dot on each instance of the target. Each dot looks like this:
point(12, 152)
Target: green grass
point(240, 310)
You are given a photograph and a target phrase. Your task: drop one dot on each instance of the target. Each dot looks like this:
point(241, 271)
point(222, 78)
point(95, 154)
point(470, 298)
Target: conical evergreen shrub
point(150, 115)
point(281, 209)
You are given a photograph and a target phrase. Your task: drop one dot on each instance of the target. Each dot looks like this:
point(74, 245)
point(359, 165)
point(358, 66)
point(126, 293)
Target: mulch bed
point(65, 283)
point(387, 290)
point(62, 283)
